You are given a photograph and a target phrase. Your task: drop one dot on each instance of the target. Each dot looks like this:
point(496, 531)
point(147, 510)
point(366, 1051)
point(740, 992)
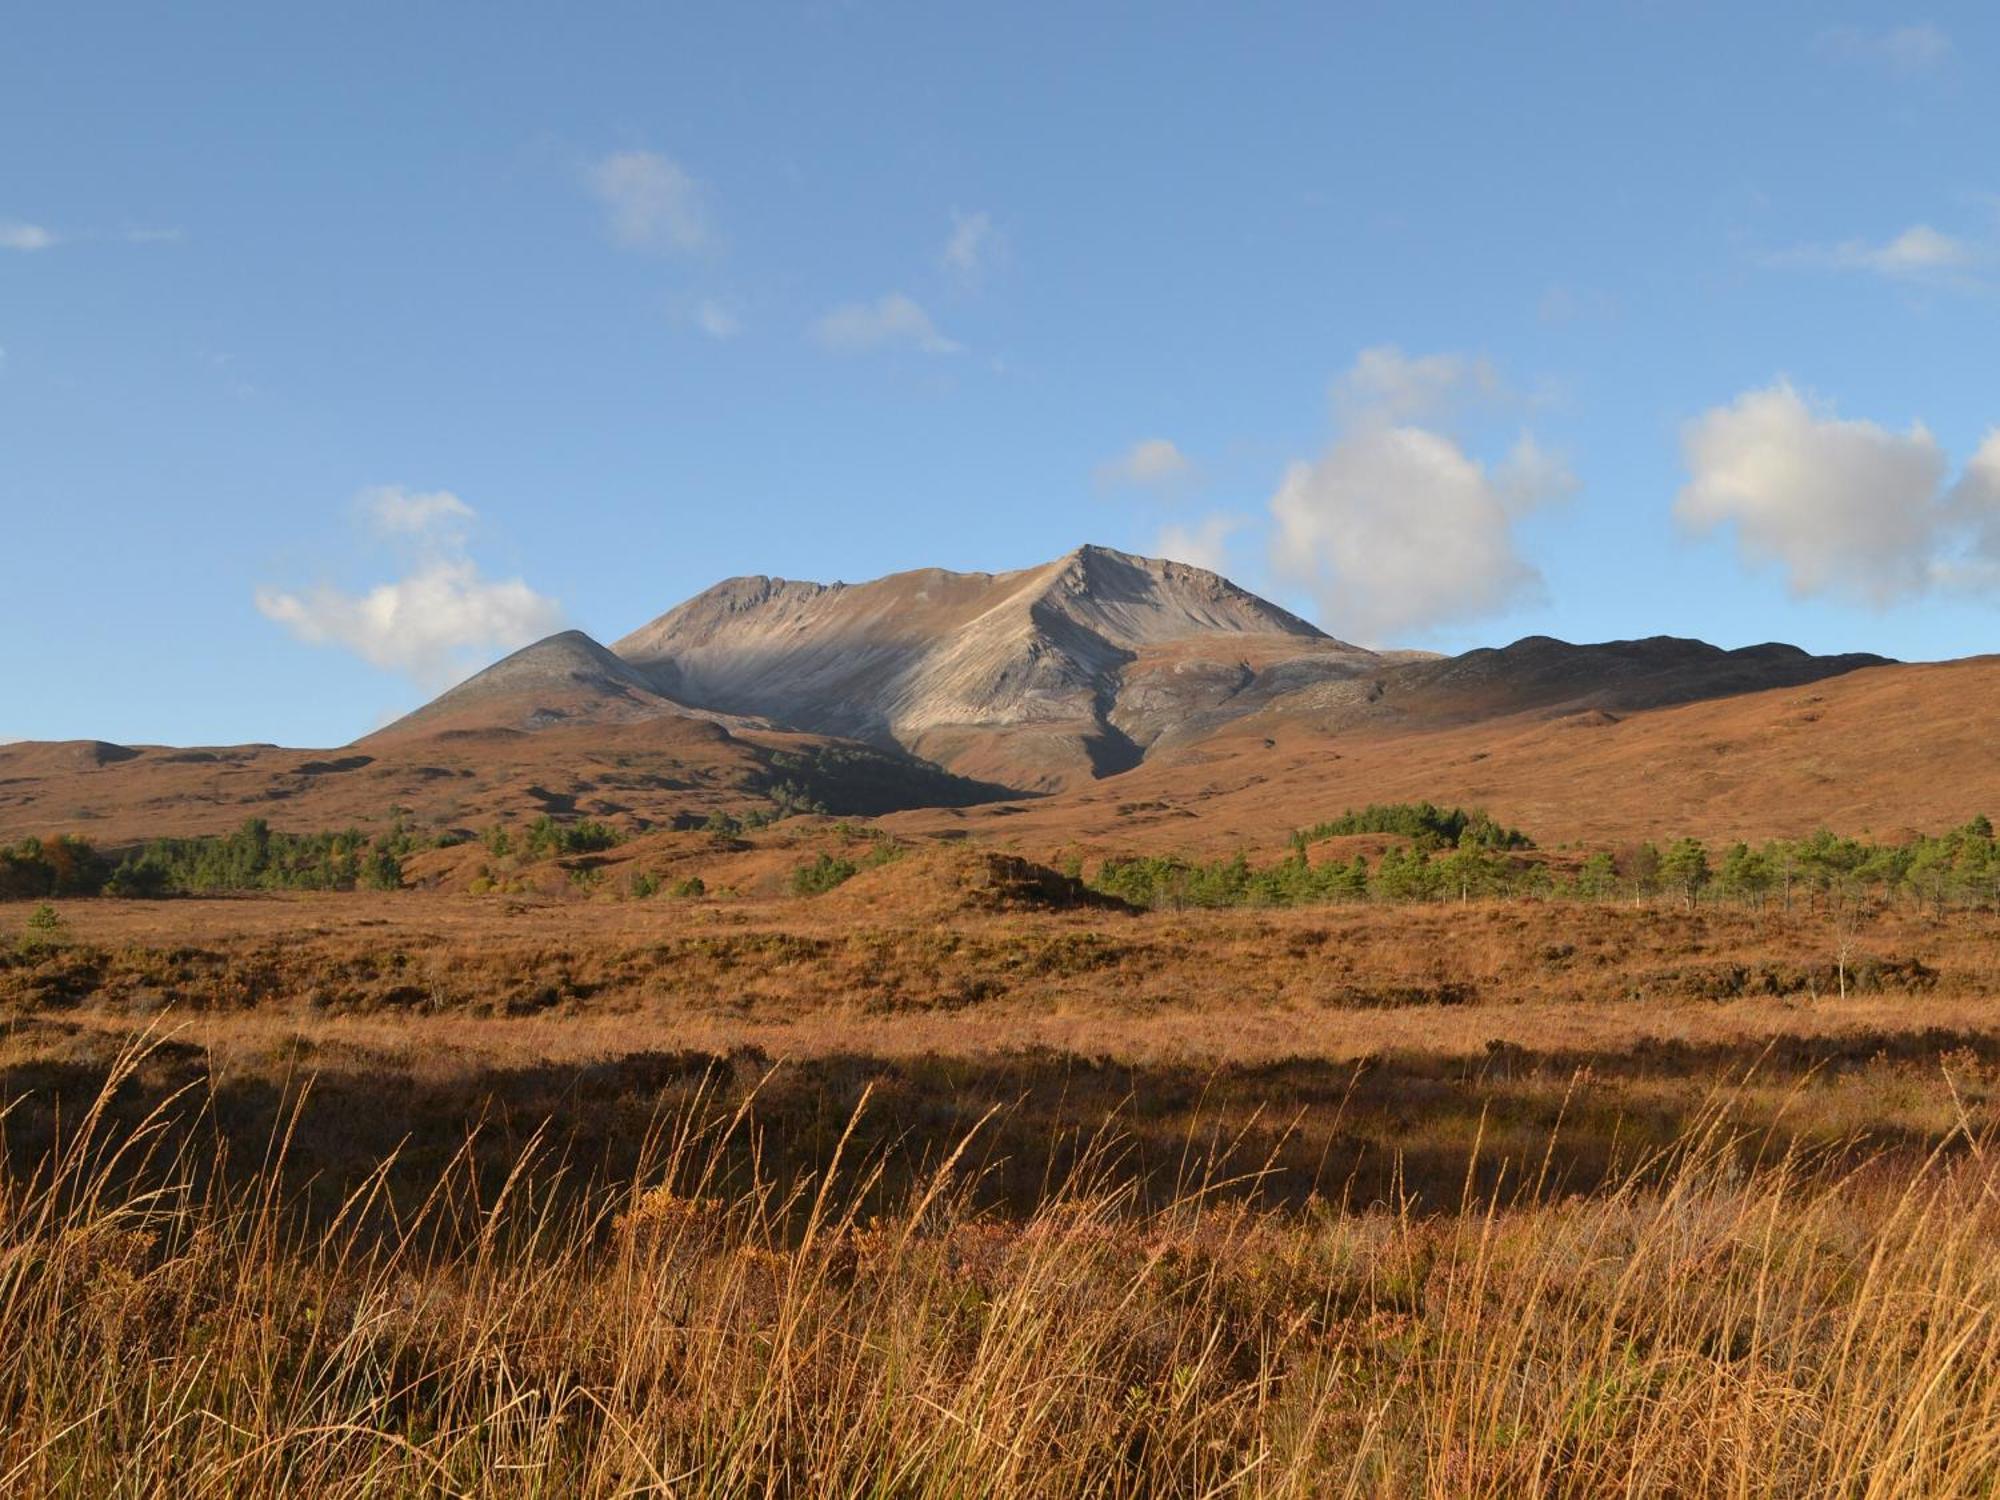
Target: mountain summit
point(1035, 677)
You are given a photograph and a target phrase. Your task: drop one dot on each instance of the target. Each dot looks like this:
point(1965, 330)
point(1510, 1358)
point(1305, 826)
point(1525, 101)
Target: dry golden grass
point(424, 1195)
point(1710, 1321)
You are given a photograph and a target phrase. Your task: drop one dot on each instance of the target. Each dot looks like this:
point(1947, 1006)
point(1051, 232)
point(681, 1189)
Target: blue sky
point(345, 347)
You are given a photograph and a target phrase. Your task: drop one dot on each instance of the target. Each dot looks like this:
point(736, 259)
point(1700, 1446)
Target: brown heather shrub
point(1810, 1322)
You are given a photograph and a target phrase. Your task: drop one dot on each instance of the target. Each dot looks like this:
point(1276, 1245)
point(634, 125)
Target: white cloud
point(436, 516)
point(1386, 385)
point(715, 320)
point(1396, 528)
point(1531, 475)
point(650, 203)
point(435, 625)
point(1151, 463)
point(1974, 508)
point(1204, 544)
point(972, 244)
point(887, 322)
point(1918, 252)
point(18, 236)
point(1904, 51)
point(1918, 248)
point(1843, 507)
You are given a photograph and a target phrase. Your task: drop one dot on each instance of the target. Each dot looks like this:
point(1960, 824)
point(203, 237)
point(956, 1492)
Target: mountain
point(1138, 701)
point(1086, 667)
point(565, 679)
point(1880, 749)
point(1540, 677)
point(1036, 678)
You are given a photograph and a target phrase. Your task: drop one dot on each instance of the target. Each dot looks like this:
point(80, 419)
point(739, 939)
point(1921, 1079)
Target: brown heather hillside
point(1880, 749)
point(646, 773)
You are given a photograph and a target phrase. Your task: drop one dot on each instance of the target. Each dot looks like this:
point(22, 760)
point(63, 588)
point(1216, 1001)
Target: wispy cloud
point(1204, 544)
point(891, 321)
point(715, 319)
point(1152, 463)
point(15, 235)
point(651, 203)
point(1902, 51)
point(1918, 253)
point(434, 517)
point(971, 246)
point(438, 622)
point(1561, 306)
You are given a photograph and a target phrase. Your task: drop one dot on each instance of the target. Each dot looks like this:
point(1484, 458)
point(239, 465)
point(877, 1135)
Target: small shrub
point(45, 929)
point(822, 875)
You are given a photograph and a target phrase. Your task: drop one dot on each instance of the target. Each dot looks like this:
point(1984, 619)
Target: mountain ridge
point(1094, 681)
point(1040, 678)
point(1017, 672)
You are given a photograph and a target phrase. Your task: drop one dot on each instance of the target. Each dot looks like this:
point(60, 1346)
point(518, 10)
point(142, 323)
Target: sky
point(345, 348)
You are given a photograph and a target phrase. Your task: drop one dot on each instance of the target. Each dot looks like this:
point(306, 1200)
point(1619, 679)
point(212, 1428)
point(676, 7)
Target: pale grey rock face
point(1046, 673)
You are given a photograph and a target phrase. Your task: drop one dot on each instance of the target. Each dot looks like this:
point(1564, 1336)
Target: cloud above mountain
point(1846, 509)
point(1397, 529)
point(1204, 543)
point(1150, 463)
point(441, 620)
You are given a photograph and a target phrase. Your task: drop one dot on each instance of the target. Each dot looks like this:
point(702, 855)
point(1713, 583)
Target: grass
point(1727, 1314)
point(1496, 1200)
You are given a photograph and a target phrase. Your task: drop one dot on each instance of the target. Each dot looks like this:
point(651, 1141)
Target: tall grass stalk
point(1723, 1319)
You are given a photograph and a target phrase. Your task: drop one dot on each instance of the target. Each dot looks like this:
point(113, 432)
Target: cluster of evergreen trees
point(1957, 868)
point(255, 857)
point(545, 838)
point(1404, 873)
point(1423, 823)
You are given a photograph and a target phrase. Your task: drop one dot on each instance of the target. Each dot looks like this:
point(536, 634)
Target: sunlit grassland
point(1731, 1313)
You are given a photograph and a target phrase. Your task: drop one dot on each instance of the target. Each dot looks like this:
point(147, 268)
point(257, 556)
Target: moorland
point(1144, 1048)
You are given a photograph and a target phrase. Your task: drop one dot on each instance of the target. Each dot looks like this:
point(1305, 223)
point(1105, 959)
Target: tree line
point(1959, 868)
point(254, 857)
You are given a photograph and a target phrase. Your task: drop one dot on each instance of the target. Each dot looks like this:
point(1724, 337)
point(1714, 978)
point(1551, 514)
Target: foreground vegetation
point(1727, 1314)
point(414, 1194)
